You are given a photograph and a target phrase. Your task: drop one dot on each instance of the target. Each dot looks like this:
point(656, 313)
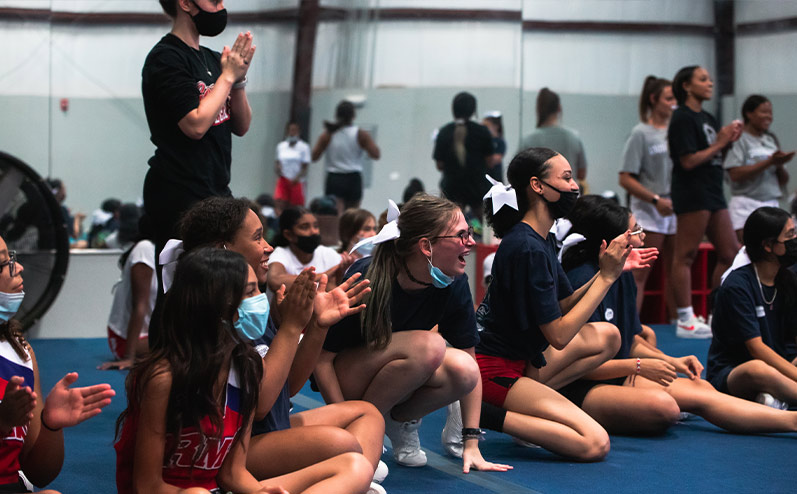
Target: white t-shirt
point(323, 258)
point(291, 158)
point(143, 252)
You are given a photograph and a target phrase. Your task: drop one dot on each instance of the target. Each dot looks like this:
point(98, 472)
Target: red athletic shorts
point(288, 192)
point(118, 345)
point(498, 376)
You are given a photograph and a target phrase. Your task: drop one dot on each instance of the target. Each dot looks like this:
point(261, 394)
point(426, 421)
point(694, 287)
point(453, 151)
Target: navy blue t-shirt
point(740, 314)
point(528, 283)
point(450, 308)
point(278, 417)
point(618, 306)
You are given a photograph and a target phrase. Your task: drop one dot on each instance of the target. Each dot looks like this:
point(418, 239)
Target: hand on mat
point(472, 458)
point(688, 365)
point(123, 364)
point(331, 307)
point(640, 258)
point(658, 371)
point(612, 258)
point(65, 406)
point(296, 308)
point(17, 406)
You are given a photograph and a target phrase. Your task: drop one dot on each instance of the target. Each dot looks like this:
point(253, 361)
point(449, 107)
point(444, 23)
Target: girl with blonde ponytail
point(389, 355)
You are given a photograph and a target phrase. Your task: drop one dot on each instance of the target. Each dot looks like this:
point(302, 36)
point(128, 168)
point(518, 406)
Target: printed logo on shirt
point(759, 311)
point(711, 138)
point(17, 434)
point(609, 314)
point(224, 113)
point(209, 452)
point(658, 148)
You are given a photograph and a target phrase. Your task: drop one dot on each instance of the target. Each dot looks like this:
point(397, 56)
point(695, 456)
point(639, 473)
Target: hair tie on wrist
point(471, 433)
point(44, 424)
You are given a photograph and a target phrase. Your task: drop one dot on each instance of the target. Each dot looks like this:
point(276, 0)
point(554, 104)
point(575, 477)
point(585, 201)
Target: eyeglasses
point(463, 235)
point(639, 230)
point(11, 263)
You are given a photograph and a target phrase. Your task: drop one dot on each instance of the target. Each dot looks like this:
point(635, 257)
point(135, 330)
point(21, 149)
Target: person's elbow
point(192, 128)
point(240, 129)
point(375, 154)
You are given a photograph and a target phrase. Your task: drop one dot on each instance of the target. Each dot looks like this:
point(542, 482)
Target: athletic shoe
point(381, 472)
point(376, 489)
point(695, 328)
point(406, 443)
point(525, 444)
point(770, 401)
point(451, 436)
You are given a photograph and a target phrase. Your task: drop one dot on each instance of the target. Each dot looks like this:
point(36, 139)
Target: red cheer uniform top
point(12, 365)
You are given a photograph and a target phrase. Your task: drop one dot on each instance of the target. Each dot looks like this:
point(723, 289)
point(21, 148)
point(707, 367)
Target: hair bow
point(501, 195)
point(388, 232)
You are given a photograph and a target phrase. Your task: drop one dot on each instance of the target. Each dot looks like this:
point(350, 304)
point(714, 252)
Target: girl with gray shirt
point(755, 164)
point(646, 174)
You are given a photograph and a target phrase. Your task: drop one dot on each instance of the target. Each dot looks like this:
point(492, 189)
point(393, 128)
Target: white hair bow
point(388, 232)
point(168, 259)
point(570, 241)
point(741, 260)
point(501, 195)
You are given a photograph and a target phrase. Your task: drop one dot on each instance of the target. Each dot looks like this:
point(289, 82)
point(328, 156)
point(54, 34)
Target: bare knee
point(462, 370)
point(661, 412)
point(595, 446)
point(337, 441)
point(758, 373)
point(605, 337)
point(355, 465)
point(427, 351)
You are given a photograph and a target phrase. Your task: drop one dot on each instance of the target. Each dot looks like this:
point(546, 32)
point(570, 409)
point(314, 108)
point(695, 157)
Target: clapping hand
point(343, 301)
point(66, 407)
point(640, 258)
point(17, 406)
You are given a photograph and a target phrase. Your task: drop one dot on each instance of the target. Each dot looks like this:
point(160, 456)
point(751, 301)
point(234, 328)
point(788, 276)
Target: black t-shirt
point(450, 308)
point(528, 283)
point(701, 187)
point(464, 184)
point(175, 78)
point(279, 416)
point(740, 314)
point(618, 306)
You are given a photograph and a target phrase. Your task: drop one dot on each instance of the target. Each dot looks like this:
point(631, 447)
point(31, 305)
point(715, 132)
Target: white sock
point(685, 313)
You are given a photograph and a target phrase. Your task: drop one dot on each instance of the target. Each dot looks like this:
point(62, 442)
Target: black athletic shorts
point(346, 186)
point(577, 390)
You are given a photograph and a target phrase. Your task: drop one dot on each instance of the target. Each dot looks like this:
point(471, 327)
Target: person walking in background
point(462, 152)
point(646, 174)
point(696, 144)
point(755, 164)
point(552, 134)
point(293, 157)
point(345, 146)
point(194, 99)
point(495, 163)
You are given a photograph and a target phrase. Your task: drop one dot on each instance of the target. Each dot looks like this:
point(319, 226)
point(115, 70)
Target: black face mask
point(562, 206)
point(210, 23)
point(308, 243)
point(790, 257)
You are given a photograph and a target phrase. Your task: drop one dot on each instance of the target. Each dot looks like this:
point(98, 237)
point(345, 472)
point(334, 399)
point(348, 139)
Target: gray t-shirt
point(645, 155)
point(561, 139)
point(749, 150)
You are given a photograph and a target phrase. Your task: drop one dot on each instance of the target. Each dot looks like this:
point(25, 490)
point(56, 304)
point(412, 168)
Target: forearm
point(277, 363)
point(782, 174)
point(307, 356)
point(197, 122)
point(327, 379)
point(748, 172)
point(613, 369)
point(571, 323)
point(772, 358)
point(43, 461)
point(568, 303)
point(241, 112)
point(690, 161)
point(635, 188)
point(134, 327)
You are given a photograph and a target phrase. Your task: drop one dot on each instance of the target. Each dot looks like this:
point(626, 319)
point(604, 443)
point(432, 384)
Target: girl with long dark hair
point(390, 356)
point(536, 335)
point(696, 145)
point(753, 350)
point(755, 163)
point(638, 391)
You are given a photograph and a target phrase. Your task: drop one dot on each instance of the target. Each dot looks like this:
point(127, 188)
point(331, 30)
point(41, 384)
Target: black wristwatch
point(655, 199)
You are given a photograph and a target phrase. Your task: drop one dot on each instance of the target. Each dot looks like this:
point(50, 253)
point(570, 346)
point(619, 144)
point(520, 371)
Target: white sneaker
point(695, 328)
point(381, 472)
point(376, 489)
point(770, 401)
point(451, 436)
point(525, 444)
point(406, 443)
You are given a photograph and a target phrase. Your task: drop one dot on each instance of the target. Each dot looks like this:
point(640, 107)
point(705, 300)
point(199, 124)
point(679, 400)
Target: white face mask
point(9, 305)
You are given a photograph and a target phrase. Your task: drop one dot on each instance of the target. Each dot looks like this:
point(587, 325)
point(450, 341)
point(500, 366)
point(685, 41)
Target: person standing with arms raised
point(194, 99)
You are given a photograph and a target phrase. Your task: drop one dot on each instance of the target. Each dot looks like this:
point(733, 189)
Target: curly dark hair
point(213, 221)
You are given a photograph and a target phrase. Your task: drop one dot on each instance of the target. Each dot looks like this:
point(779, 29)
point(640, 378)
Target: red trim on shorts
point(492, 367)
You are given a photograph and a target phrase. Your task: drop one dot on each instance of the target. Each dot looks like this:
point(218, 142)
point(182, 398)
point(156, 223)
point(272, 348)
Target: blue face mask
point(439, 278)
point(9, 304)
point(253, 317)
point(366, 250)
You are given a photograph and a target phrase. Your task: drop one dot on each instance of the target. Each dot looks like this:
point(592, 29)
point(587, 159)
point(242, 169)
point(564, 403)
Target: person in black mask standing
point(194, 99)
point(298, 247)
point(753, 351)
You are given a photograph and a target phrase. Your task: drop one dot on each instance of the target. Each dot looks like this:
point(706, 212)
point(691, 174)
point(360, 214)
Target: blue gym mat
point(693, 456)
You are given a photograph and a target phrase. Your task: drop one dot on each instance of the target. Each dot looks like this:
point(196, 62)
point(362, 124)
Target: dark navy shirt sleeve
point(540, 291)
point(740, 322)
point(683, 135)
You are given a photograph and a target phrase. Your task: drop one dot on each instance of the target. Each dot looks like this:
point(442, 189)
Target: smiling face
point(663, 106)
point(8, 283)
point(448, 252)
point(761, 118)
point(560, 177)
point(249, 242)
point(637, 240)
point(700, 86)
